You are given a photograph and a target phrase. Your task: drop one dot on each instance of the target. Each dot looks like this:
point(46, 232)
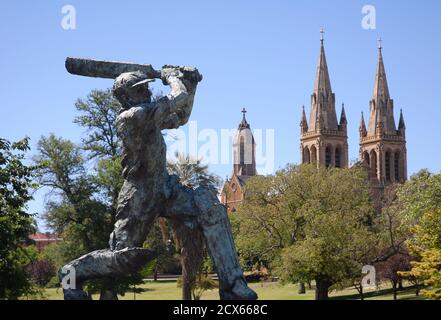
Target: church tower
point(324, 140)
point(244, 167)
point(382, 145)
point(244, 149)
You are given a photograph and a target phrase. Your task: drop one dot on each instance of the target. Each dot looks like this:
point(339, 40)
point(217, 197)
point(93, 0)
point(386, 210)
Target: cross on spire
point(380, 43)
point(322, 38)
point(244, 111)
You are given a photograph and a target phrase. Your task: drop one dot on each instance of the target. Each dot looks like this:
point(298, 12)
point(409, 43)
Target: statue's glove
point(189, 74)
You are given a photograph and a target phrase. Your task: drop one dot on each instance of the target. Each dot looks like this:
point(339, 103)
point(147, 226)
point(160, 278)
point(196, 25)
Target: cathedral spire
point(323, 115)
point(381, 89)
point(382, 109)
point(322, 81)
point(323, 140)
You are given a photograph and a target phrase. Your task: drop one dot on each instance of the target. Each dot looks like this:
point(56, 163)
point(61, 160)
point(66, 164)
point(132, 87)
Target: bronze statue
point(149, 191)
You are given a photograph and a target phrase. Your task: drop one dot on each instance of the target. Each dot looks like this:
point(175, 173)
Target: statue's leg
point(126, 254)
point(217, 230)
point(203, 209)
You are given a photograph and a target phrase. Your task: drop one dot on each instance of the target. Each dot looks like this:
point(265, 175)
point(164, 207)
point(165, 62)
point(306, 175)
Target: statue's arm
point(174, 109)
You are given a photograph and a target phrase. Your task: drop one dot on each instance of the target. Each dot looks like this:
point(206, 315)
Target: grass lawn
point(267, 291)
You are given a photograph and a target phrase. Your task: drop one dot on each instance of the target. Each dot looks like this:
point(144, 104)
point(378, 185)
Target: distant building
point(43, 239)
point(244, 154)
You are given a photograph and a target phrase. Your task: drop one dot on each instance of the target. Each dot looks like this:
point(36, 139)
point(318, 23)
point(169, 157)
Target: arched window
point(338, 157)
point(328, 157)
point(242, 151)
point(306, 155)
point(366, 158)
point(397, 166)
point(387, 164)
point(373, 164)
point(313, 154)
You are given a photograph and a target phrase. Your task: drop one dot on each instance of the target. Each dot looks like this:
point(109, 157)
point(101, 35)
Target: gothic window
point(366, 158)
point(306, 155)
point(387, 164)
point(373, 159)
point(328, 157)
point(338, 157)
point(313, 154)
point(397, 166)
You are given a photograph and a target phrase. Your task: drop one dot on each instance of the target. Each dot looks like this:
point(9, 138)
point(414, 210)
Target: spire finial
point(244, 124)
point(380, 43)
point(322, 38)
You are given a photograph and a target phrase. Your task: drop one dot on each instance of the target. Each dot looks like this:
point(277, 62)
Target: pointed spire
point(363, 131)
point(322, 81)
point(401, 124)
point(304, 122)
point(244, 124)
point(381, 89)
point(343, 119)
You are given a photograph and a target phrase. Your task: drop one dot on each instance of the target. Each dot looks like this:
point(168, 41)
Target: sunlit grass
point(168, 290)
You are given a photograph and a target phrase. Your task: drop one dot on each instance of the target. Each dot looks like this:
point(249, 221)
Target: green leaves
point(15, 223)
point(307, 223)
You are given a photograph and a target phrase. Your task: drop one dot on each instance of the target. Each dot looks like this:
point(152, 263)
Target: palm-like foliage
point(192, 172)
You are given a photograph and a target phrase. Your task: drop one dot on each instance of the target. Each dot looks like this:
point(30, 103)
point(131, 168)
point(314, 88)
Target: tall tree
point(15, 223)
point(310, 224)
point(74, 211)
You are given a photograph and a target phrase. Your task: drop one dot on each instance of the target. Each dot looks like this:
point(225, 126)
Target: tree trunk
point(309, 285)
point(394, 288)
point(322, 289)
point(360, 291)
point(302, 289)
point(186, 288)
point(108, 295)
point(155, 274)
point(400, 284)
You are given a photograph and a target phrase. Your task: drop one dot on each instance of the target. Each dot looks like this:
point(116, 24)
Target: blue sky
point(260, 55)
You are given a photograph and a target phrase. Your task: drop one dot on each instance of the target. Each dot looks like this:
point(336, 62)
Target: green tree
point(426, 244)
point(419, 205)
point(309, 224)
point(15, 223)
point(73, 212)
